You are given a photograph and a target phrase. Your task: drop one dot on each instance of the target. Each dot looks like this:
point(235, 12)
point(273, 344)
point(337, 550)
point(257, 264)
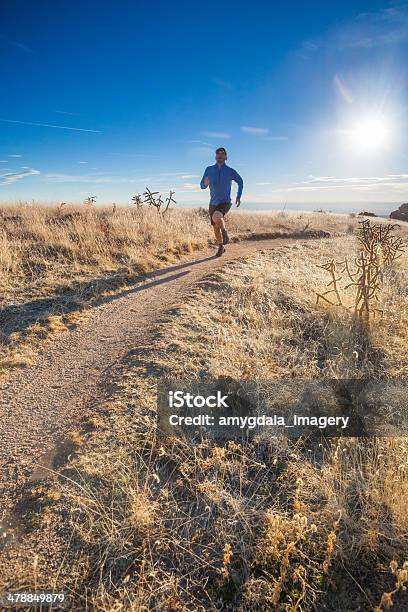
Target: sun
point(370, 135)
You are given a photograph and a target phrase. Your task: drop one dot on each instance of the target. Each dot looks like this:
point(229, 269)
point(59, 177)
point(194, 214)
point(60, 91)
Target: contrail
point(59, 127)
point(17, 44)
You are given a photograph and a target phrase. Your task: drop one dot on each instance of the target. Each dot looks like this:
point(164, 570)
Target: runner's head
point(220, 155)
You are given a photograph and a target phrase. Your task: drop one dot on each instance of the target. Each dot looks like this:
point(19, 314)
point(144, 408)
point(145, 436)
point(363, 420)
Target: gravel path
point(43, 401)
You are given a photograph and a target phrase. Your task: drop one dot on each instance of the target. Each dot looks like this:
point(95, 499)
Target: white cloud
point(368, 187)
point(82, 162)
point(200, 142)
point(96, 179)
point(393, 182)
point(200, 151)
point(60, 112)
point(276, 138)
point(216, 134)
point(189, 187)
point(254, 131)
point(222, 83)
point(311, 178)
point(375, 184)
point(356, 180)
point(172, 173)
point(12, 177)
point(315, 188)
point(177, 175)
point(368, 30)
point(147, 155)
point(15, 156)
point(309, 45)
point(384, 27)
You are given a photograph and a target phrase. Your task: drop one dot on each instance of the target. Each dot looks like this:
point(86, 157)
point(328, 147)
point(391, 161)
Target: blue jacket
point(220, 183)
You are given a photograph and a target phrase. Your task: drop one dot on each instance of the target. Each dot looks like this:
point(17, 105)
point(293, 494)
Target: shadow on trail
point(68, 299)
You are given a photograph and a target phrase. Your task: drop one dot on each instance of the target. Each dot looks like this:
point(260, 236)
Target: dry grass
point(44, 247)
point(56, 263)
point(137, 522)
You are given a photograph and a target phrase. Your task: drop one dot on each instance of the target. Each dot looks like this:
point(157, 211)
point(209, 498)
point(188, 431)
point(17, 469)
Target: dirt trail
point(40, 403)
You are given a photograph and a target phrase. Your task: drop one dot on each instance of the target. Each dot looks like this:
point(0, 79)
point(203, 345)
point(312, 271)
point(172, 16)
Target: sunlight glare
point(370, 134)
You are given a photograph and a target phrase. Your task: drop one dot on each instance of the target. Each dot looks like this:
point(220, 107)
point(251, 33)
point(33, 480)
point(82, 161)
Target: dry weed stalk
point(401, 580)
point(226, 560)
point(60, 208)
point(379, 248)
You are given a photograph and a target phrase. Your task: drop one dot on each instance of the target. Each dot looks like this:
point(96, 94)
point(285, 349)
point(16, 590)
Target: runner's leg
point(211, 210)
point(218, 224)
point(224, 208)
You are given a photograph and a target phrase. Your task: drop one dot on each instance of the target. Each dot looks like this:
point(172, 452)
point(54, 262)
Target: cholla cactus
point(157, 202)
point(379, 248)
point(137, 201)
point(149, 197)
point(169, 200)
point(377, 238)
point(90, 201)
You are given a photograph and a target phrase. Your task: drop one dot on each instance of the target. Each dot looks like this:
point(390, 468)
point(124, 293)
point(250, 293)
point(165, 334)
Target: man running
point(219, 178)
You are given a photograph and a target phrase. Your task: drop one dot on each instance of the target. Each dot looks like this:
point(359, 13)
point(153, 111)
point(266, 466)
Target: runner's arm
point(238, 179)
point(204, 184)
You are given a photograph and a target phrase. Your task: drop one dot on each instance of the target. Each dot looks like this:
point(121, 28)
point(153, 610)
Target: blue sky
point(103, 98)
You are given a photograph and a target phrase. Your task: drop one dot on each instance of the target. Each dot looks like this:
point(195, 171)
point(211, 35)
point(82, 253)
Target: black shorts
point(223, 208)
